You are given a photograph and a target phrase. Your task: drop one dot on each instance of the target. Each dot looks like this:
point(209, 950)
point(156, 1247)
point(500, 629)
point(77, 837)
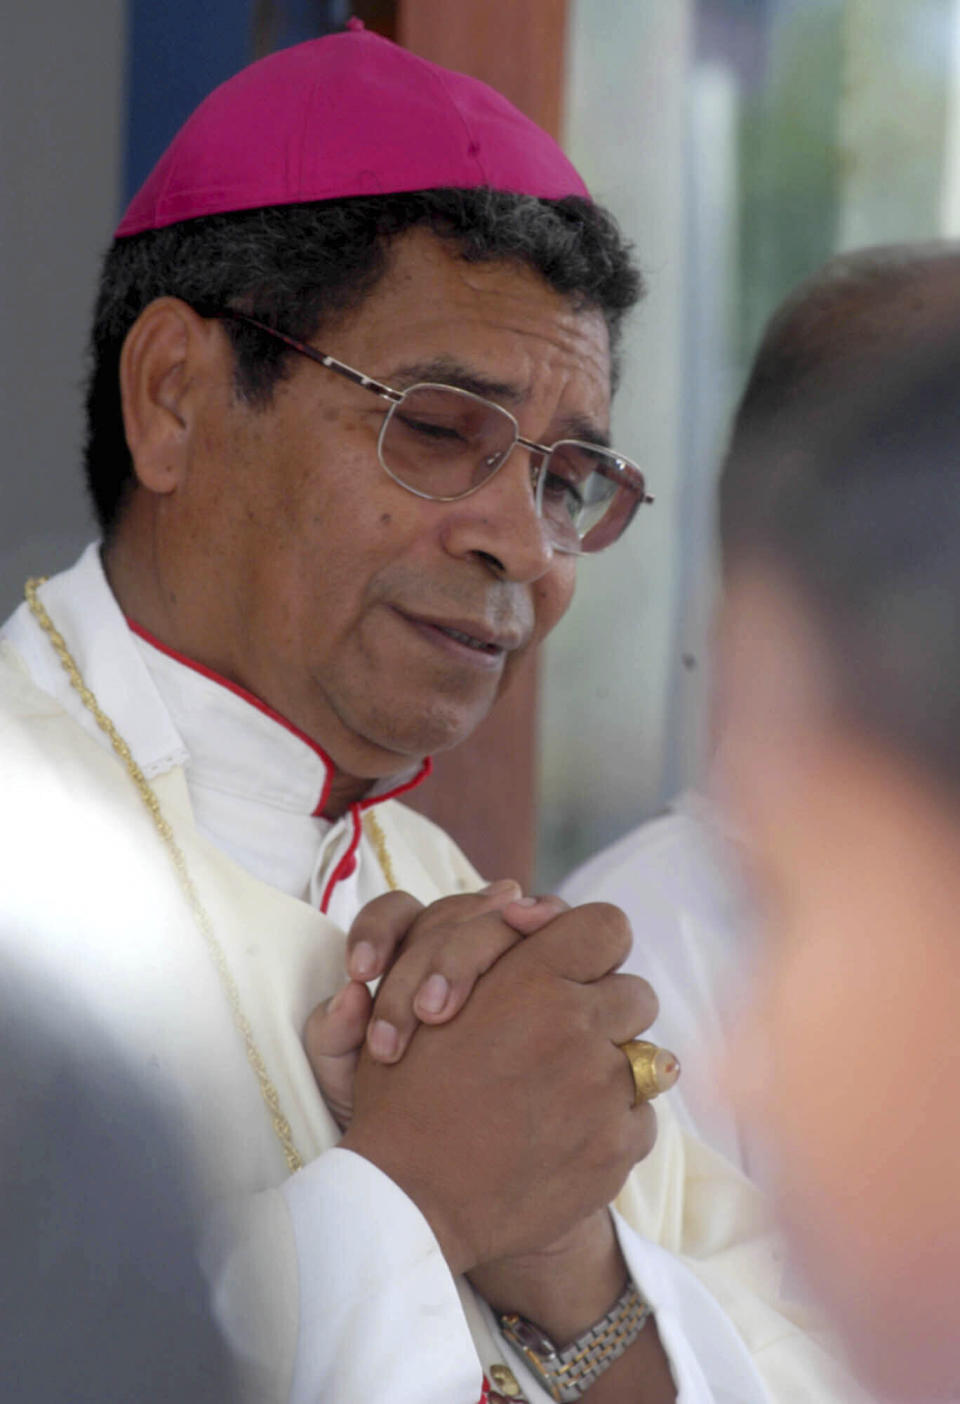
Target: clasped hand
point(485, 1077)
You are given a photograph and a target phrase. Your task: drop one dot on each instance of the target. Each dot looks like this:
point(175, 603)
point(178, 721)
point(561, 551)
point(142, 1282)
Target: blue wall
point(178, 50)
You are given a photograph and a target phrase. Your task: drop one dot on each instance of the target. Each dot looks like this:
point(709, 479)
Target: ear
point(170, 360)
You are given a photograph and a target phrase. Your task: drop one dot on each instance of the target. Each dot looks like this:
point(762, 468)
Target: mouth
point(481, 644)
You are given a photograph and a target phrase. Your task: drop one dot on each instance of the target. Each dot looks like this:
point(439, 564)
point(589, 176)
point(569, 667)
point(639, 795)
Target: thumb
point(333, 1036)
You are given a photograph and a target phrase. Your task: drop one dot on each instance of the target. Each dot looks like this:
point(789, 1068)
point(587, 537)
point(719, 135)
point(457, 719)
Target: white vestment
point(678, 881)
point(329, 1280)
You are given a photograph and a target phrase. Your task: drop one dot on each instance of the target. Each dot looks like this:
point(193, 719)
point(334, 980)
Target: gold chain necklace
point(379, 840)
point(268, 1091)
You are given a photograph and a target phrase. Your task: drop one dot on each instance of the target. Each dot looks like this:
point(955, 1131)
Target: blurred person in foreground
point(679, 877)
point(840, 685)
point(102, 1299)
point(349, 287)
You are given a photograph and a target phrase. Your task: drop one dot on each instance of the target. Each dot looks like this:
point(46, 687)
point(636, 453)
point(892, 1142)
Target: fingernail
point(384, 1039)
point(432, 994)
point(363, 961)
point(495, 889)
point(336, 1002)
point(526, 902)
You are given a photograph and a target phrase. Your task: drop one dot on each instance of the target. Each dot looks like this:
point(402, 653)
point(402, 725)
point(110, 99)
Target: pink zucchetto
point(351, 114)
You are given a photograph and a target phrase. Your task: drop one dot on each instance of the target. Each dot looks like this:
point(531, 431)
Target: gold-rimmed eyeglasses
point(443, 443)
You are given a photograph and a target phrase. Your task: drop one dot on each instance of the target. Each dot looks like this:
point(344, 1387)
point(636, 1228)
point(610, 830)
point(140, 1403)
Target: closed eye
point(559, 488)
point(430, 430)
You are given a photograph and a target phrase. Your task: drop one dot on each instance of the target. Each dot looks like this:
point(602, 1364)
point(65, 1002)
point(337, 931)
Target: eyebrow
point(445, 370)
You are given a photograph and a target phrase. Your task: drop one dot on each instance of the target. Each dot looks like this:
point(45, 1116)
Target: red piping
point(410, 784)
point(245, 696)
point(344, 867)
point(347, 863)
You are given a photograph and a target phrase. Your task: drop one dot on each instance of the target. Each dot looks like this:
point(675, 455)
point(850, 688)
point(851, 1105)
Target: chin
point(424, 733)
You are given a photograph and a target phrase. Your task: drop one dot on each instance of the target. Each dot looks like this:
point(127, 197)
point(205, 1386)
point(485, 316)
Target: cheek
point(552, 595)
point(844, 1072)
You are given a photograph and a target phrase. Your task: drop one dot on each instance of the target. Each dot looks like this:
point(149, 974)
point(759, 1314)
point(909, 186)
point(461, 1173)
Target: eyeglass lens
point(445, 443)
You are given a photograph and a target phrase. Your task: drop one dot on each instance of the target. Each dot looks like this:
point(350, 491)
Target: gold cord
point(268, 1091)
point(378, 839)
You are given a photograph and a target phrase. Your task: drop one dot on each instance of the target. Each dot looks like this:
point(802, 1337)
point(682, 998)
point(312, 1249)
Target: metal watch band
point(567, 1374)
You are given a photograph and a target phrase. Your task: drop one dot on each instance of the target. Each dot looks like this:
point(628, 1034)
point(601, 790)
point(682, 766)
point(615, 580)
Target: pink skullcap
point(351, 114)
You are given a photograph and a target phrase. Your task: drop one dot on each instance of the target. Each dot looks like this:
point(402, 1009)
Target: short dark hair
point(849, 314)
point(849, 495)
point(295, 266)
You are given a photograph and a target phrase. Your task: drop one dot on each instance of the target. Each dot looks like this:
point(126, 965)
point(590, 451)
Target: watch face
point(523, 1333)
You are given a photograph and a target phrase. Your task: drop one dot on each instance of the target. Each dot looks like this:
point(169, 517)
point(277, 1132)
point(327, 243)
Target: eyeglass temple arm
point(321, 358)
point(385, 391)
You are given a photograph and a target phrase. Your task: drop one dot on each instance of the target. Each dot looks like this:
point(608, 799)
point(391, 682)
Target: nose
point(500, 525)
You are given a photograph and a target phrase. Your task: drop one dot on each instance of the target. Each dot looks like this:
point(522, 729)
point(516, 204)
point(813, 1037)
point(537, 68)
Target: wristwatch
point(567, 1374)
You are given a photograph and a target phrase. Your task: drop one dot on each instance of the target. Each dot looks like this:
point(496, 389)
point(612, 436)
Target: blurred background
point(740, 142)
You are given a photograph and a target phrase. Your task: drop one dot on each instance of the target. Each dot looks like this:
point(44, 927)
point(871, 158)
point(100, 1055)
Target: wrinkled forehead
point(495, 326)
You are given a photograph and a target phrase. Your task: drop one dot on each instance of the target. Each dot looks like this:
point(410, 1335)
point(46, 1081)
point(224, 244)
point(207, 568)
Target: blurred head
point(840, 684)
point(249, 521)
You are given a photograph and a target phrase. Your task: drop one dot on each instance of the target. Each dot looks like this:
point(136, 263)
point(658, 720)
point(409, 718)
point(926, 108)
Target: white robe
point(329, 1281)
point(677, 879)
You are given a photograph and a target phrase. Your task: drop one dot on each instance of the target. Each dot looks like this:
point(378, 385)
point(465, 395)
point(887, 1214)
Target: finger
point(458, 962)
point(376, 933)
point(432, 979)
point(333, 1037)
point(642, 1122)
point(528, 914)
point(626, 1006)
point(637, 1123)
point(385, 923)
point(458, 965)
point(583, 944)
point(339, 1024)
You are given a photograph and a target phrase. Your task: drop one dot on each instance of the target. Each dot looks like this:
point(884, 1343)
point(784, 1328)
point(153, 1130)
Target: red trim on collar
point(410, 784)
point(347, 863)
point(245, 696)
point(269, 711)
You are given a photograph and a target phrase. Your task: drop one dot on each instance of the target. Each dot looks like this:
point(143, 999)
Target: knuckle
point(581, 1022)
point(394, 1003)
point(399, 986)
point(633, 999)
point(450, 910)
point(633, 1136)
point(383, 919)
point(646, 998)
point(643, 1131)
point(471, 950)
point(611, 930)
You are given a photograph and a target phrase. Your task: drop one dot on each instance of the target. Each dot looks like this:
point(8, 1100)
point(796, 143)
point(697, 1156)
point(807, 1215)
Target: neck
point(345, 790)
point(139, 606)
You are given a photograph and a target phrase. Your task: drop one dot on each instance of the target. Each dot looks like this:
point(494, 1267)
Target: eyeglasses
point(444, 443)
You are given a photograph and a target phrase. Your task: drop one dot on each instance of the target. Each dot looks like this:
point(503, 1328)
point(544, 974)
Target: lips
point(479, 637)
point(470, 640)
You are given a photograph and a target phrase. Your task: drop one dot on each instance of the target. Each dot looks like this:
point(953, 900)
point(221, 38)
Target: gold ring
point(654, 1069)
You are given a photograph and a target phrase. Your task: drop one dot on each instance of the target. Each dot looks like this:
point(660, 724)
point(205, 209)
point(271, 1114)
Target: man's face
point(382, 624)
